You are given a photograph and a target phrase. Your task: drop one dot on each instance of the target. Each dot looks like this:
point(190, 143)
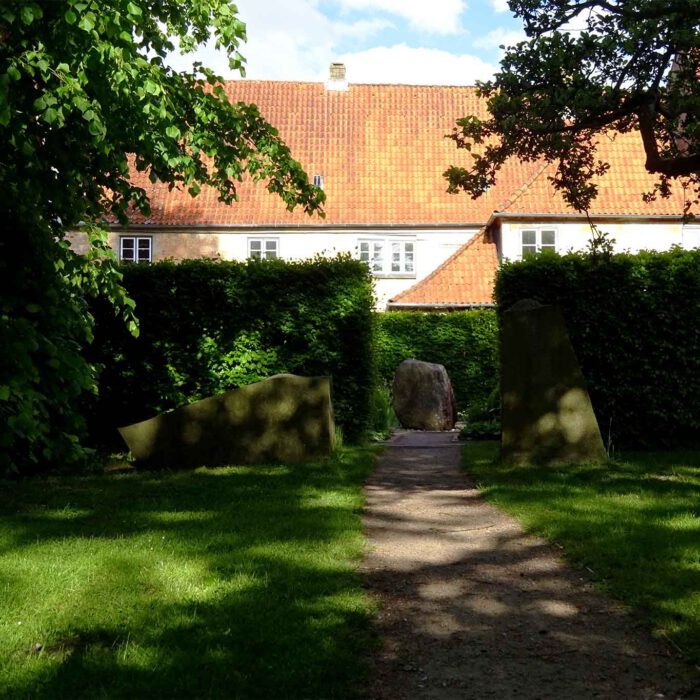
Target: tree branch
point(673, 167)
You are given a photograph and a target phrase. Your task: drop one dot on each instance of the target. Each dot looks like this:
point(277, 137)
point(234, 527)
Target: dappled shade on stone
point(285, 418)
point(547, 416)
point(423, 396)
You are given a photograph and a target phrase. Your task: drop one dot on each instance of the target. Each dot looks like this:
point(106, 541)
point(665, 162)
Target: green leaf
point(81, 103)
point(70, 16)
point(50, 115)
point(27, 14)
point(173, 132)
point(33, 308)
point(4, 392)
point(87, 22)
point(133, 10)
point(13, 73)
point(96, 128)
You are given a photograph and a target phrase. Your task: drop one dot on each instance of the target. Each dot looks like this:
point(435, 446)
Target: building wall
point(630, 236)
point(431, 248)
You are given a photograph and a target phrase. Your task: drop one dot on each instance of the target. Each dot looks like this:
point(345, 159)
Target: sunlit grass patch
point(635, 523)
point(237, 581)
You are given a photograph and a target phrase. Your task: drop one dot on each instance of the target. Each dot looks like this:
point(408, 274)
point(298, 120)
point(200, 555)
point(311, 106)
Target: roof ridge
point(510, 201)
point(439, 268)
point(321, 83)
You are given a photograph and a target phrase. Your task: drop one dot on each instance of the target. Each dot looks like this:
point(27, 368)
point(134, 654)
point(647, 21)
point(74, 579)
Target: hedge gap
point(465, 342)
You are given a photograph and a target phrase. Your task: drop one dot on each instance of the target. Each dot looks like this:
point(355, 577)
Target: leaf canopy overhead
point(84, 84)
point(590, 69)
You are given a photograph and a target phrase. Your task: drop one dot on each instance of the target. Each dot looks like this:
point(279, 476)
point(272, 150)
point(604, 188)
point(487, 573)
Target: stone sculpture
point(283, 419)
point(546, 412)
point(423, 396)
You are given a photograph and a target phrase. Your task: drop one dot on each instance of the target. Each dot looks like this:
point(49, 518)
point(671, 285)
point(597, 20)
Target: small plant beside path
point(635, 523)
point(229, 582)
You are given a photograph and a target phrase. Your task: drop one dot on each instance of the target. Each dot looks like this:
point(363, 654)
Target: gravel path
point(472, 607)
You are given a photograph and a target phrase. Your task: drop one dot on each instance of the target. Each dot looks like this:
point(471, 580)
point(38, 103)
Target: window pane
point(128, 249)
point(396, 257)
point(270, 254)
point(270, 245)
point(378, 257)
point(255, 245)
point(144, 249)
point(529, 238)
point(548, 238)
point(408, 247)
point(529, 250)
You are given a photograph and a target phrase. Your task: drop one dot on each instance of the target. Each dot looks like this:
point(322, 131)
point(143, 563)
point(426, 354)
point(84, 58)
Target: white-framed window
point(535, 240)
point(263, 248)
point(318, 181)
point(386, 256)
point(136, 248)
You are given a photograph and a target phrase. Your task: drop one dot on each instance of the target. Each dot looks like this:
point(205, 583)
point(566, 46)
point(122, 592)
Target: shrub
point(210, 326)
point(465, 342)
point(634, 321)
point(481, 430)
point(382, 417)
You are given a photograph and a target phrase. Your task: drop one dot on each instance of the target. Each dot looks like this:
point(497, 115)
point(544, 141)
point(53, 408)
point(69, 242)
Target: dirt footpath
point(471, 607)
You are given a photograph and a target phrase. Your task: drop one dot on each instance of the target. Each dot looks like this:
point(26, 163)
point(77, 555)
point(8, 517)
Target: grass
point(635, 523)
point(229, 582)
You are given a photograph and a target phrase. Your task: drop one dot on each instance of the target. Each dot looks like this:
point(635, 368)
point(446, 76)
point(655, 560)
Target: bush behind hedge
point(210, 326)
point(465, 342)
point(634, 321)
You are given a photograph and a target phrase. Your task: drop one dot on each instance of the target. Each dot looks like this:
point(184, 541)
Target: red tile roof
point(466, 278)
point(381, 149)
point(619, 190)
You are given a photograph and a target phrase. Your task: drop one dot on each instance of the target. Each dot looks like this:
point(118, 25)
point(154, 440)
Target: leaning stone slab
point(284, 419)
point(546, 413)
point(423, 396)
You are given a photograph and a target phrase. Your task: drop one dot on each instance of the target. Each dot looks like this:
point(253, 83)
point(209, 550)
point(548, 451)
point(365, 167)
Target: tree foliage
point(634, 67)
point(85, 97)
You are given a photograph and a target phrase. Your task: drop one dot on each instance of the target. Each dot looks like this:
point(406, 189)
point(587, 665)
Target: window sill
point(395, 275)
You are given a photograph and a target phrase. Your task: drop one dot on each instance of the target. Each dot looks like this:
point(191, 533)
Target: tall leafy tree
point(588, 69)
point(86, 96)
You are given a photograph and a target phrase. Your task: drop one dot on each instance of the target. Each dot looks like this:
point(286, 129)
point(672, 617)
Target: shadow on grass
point(635, 523)
point(232, 582)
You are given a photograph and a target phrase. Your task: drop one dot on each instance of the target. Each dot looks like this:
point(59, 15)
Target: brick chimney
point(337, 80)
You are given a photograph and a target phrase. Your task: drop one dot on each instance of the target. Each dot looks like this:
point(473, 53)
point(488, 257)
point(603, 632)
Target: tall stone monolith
point(546, 412)
point(285, 418)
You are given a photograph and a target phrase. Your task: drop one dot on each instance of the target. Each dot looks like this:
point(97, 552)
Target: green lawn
point(636, 523)
point(230, 582)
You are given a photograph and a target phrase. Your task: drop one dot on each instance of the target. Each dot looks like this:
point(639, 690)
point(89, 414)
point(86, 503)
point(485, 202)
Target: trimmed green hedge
point(465, 342)
point(209, 326)
point(634, 321)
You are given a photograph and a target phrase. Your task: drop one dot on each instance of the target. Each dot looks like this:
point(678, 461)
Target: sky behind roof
point(429, 42)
